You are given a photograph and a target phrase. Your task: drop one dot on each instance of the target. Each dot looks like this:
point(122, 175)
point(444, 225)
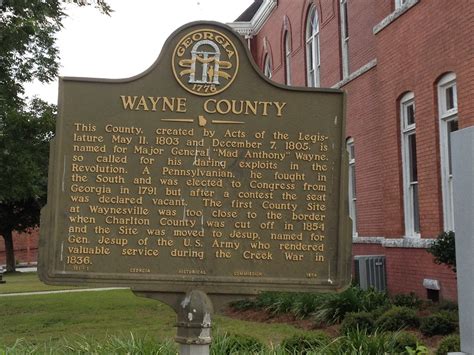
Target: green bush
point(444, 250)
point(112, 344)
point(451, 343)
point(397, 318)
point(243, 305)
point(372, 300)
point(404, 339)
point(361, 342)
point(304, 343)
point(438, 324)
point(305, 304)
point(265, 299)
point(359, 320)
point(236, 344)
point(333, 308)
point(282, 303)
point(448, 306)
point(410, 300)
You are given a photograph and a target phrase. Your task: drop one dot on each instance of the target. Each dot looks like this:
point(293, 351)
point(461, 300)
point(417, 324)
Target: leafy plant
point(359, 320)
point(451, 343)
point(397, 318)
point(418, 350)
point(236, 344)
point(360, 341)
point(305, 304)
point(242, 305)
point(112, 344)
point(333, 308)
point(404, 340)
point(304, 343)
point(444, 250)
point(410, 300)
point(438, 324)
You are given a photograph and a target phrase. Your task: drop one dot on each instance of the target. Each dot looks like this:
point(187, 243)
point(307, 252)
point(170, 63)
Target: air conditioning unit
point(370, 272)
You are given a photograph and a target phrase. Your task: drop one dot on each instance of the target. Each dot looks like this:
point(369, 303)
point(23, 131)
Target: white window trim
point(314, 58)
point(400, 3)
point(352, 197)
point(267, 66)
point(344, 39)
point(287, 49)
point(445, 117)
point(408, 200)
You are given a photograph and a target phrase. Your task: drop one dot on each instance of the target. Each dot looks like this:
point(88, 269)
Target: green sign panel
point(198, 173)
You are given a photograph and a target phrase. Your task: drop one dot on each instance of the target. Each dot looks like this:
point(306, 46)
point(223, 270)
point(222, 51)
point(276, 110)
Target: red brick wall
point(407, 267)
point(410, 59)
point(412, 53)
point(26, 247)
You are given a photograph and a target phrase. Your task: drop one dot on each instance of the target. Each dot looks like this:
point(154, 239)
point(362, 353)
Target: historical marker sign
point(198, 173)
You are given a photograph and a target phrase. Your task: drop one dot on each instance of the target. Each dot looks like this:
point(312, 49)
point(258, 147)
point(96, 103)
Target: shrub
point(360, 341)
point(236, 344)
point(243, 305)
point(360, 320)
point(410, 300)
point(405, 339)
point(443, 249)
point(265, 299)
point(282, 303)
point(397, 318)
point(448, 306)
point(305, 304)
point(451, 343)
point(304, 343)
point(372, 300)
point(333, 308)
point(438, 324)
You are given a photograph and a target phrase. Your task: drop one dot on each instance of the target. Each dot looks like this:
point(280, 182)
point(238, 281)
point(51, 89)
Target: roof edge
point(248, 29)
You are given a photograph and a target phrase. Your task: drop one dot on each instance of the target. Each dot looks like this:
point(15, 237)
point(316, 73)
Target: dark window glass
point(452, 127)
point(450, 98)
point(416, 210)
point(410, 114)
point(412, 152)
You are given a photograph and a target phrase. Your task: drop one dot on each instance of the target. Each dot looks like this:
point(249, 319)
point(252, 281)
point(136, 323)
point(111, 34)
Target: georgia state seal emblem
point(205, 62)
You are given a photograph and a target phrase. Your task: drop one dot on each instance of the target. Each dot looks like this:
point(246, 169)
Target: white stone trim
point(394, 15)
point(356, 74)
point(248, 29)
point(407, 242)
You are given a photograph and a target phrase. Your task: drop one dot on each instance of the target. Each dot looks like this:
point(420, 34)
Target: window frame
point(343, 6)
point(267, 66)
point(446, 118)
point(287, 56)
point(313, 54)
point(400, 3)
point(409, 167)
point(352, 188)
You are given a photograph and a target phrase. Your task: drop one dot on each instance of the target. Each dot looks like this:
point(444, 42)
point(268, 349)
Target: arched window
point(287, 48)
point(344, 38)
point(312, 48)
point(448, 123)
point(267, 66)
point(409, 164)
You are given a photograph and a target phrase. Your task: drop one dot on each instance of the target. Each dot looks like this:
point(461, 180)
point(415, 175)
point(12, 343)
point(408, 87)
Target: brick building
point(408, 70)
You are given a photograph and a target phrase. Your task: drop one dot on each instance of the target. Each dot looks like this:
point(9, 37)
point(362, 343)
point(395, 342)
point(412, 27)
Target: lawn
point(26, 282)
point(52, 317)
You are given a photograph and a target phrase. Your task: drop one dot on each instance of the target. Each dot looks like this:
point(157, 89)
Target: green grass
point(26, 282)
point(51, 318)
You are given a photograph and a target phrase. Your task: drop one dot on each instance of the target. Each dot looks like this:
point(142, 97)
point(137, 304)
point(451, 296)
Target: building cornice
point(394, 15)
point(248, 29)
point(406, 242)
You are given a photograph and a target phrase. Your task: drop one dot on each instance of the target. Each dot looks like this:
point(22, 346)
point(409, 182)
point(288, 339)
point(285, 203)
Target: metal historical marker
point(198, 174)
